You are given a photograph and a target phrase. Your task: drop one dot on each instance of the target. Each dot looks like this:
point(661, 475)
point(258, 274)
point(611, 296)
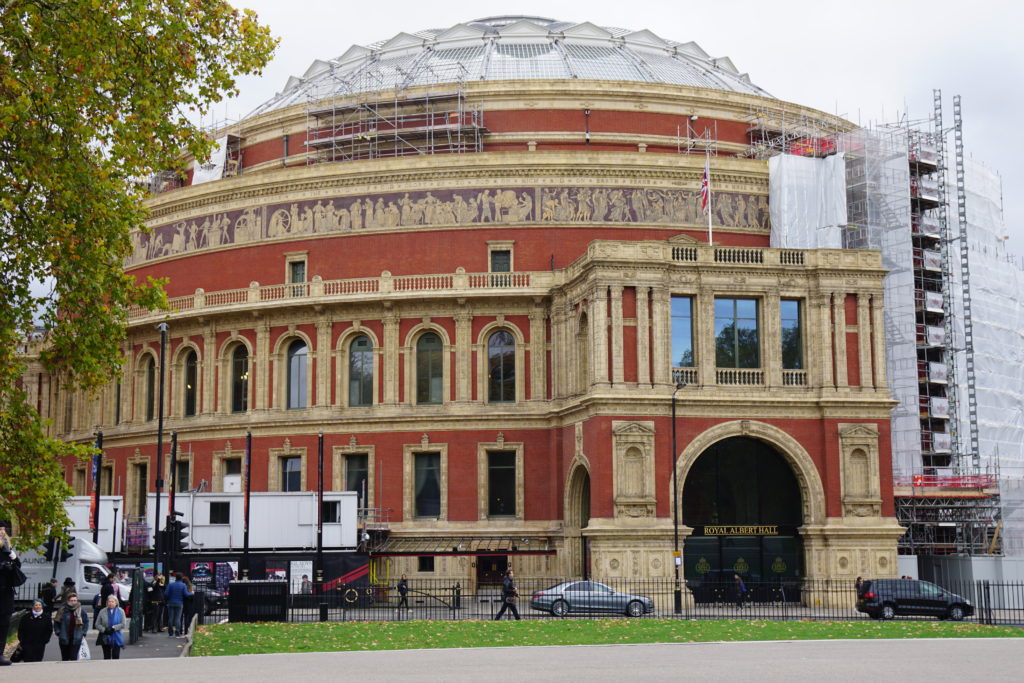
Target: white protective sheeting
point(807, 197)
point(213, 169)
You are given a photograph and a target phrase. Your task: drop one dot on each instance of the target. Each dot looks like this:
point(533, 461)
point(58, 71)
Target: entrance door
point(490, 569)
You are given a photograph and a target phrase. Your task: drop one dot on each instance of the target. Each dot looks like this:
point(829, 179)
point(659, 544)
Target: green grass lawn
point(233, 639)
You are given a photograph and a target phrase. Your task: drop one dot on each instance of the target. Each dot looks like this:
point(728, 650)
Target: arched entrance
point(577, 517)
point(743, 501)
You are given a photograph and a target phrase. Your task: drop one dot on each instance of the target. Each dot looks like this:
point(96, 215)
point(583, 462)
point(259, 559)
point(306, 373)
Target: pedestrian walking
point(403, 592)
point(155, 604)
point(10, 576)
point(741, 589)
point(509, 594)
point(857, 584)
point(110, 623)
point(34, 632)
point(189, 610)
point(70, 623)
point(174, 596)
point(48, 594)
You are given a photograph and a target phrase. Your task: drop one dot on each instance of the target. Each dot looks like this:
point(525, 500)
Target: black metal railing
point(986, 602)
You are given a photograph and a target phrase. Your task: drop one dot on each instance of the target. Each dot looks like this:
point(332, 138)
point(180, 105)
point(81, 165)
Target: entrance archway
point(577, 517)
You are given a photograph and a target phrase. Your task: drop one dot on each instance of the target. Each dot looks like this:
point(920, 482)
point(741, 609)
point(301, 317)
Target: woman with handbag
point(34, 633)
point(110, 623)
point(70, 623)
point(10, 577)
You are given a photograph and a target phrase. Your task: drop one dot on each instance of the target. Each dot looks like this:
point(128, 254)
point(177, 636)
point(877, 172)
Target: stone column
point(771, 344)
point(661, 349)
point(599, 335)
point(538, 357)
point(618, 363)
point(390, 358)
point(823, 339)
point(209, 369)
point(643, 347)
point(878, 340)
point(864, 338)
point(463, 355)
point(262, 365)
point(704, 336)
point(323, 362)
point(839, 334)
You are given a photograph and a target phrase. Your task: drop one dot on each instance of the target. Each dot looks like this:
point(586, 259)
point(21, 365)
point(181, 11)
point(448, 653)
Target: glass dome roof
point(512, 47)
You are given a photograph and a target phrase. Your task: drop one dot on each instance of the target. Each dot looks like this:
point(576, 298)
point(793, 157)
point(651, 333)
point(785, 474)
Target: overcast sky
point(869, 61)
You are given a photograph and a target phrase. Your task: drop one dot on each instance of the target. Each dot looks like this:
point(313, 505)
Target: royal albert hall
point(476, 260)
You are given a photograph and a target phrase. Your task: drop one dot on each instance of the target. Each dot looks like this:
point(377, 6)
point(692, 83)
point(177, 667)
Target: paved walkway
point(992, 660)
point(151, 645)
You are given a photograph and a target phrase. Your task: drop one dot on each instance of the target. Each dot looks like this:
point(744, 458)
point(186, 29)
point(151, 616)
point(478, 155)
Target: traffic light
point(176, 538)
point(65, 550)
point(180, 535)
point(51, 548)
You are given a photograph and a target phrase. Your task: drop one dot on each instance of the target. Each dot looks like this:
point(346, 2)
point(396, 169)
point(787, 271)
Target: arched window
point(501, 367)
point(297, 374)
point(360, 372)
point(240, 379)
point(429, 369)
point(150, 388)
point(191, 382)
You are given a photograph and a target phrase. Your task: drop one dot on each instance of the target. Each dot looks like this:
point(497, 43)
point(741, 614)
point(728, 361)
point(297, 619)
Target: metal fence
point(985, 602)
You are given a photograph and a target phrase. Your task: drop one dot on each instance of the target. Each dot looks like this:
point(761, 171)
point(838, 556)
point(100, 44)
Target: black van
point(886, 598)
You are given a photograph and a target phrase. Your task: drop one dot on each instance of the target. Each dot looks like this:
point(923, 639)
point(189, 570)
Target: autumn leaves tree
point(95, 95)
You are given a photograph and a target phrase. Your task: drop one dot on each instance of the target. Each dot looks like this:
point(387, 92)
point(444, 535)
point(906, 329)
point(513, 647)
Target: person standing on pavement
point(110, 623)
point(48, 594)
point(155, 603)
point(403, 592)
point(189, 604)
point(8, 563)
point(34, 632)
point(509, 594)
point(67, 589)
point(174, 595)
point(740, 588)
point(70, 623)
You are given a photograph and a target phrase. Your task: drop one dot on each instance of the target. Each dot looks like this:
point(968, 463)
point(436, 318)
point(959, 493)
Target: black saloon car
point(887, 598)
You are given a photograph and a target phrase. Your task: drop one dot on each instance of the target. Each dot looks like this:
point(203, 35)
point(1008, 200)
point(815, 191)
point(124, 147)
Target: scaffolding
point(777, 130)
point(361, 119)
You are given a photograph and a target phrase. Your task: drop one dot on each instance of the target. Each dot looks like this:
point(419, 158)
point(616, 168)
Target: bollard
point(458, 596)
point(323, 611)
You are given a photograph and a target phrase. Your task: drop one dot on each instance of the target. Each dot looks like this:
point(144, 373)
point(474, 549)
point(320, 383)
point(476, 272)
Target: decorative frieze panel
point(449, 208)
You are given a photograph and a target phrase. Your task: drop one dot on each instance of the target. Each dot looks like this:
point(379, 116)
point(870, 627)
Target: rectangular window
point(428, 484)
point(296, 275)
point(141, 487)
point(232, 466)
point(356, 474)
point(501, 483)
point(181, 479)
point(291, 473)
point(332, 512)
point(792, 335)
point(501, 261)
point(107, 481)
point(425, 563)
point(682, 332)
point(736, 334)
point(220, 512)
point(78, 481)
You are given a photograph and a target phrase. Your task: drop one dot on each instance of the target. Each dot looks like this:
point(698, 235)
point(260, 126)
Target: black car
point(887, 598)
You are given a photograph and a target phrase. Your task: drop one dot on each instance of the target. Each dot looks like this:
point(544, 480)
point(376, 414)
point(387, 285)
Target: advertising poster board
point(226, 572)
point(300, 568)
point(202, 574)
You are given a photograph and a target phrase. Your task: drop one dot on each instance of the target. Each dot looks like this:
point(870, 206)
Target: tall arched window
point(360, 372)
point(150, 388)
point(297, 374)
point(240, 379)
point(191, 382)
point(501, 367)
point(429, 369)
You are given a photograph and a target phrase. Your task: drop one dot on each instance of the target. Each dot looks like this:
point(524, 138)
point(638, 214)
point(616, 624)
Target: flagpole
point(707, 165)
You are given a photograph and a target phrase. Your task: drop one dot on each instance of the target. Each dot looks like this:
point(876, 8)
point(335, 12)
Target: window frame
point(419, 371)
point(409, 479)
point(238, 382)
point(296, 374)
point(502, 383)
point(676, 362)
point(226, 506)
point(339, 469)
point(286, 475)
point(275, 470)
point(484, 484)
point(800, 359)
point(363, 380)
point(151, 389)
point(190, 391)
point(758, 329)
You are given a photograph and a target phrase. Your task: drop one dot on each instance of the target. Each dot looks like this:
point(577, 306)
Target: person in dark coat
point(175, 595)
point(8, 562)
point(189, 605)
point(155, 604)
point(741, 590)
point(70, 623)
point(67, 589)
point(34, 631)
point(403, 592)
point(509, 594)
point(48, 594)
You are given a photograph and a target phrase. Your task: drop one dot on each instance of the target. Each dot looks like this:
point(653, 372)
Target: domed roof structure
point(512, 48)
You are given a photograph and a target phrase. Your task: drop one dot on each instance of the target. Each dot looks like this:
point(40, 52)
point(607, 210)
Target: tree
point(94, 96)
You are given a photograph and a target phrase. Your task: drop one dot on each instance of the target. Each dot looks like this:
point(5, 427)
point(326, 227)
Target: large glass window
point(429, 368)
point(736, 334)
point(682, 332)
point(291, 473)
point(297, 374)
point(150, 389)
point(792, 335)
point(296, 275)
point(356, 473)
point(240, 379)
point(501, 363)
point(428, 484)
point(191, 382)
point(360, 372)
point(501, 483)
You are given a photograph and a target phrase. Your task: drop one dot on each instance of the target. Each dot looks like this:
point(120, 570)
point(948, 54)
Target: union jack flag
point(705, 186)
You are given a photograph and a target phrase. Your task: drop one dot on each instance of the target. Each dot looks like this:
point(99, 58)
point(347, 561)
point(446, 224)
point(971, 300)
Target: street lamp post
point(677, 557)
point(157, 546)
point(114, 534)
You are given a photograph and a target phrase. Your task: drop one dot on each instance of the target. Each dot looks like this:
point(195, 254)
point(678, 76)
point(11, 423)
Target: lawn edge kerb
point(269, 637)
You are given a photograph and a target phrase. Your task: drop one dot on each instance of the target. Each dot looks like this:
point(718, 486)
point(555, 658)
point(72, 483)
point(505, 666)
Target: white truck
point(85, 566)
